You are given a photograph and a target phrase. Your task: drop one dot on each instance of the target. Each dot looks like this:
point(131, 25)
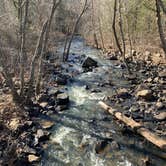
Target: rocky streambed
point(83, 133)
point(66, 126)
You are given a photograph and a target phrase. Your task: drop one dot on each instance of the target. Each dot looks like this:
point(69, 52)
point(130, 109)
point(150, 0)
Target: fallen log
point(146, 133)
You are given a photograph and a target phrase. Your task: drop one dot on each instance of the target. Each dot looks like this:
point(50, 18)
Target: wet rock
point(95, 90)
point(86, 87)
point(61, 79)
point(41, 135)
point(62, 99)
point(61, 108)
point(145, 94)
point(43, 104)
point(33, 158)
point(123, 93)
point(160, 116)
point(89, 63)
point(102, 147)
point(29, 150)
point(42, 98)
point(134, 109)
point(130, 77)
point(113, 57)
point(46, 124)
point(114, 145)
point(53, 91)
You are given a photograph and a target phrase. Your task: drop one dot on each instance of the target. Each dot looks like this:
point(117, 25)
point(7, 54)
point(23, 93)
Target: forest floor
point(23, 135)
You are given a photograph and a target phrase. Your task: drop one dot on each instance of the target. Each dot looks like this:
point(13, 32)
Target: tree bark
point(34, 59)
point(44, 46)
point(160, 27)
point(22, 51)
point(122, 52)
point(74, 29)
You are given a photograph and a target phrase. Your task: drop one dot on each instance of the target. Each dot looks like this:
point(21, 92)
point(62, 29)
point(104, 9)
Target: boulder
point(89, 63)
point(62, 99)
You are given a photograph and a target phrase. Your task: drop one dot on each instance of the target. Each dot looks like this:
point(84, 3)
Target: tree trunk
point(94, 26)
point(74, 29)
point(22, 51)
point(122, 52)
point(34, 59)
point(101, 35)
point(160, 27)
point(44, 46)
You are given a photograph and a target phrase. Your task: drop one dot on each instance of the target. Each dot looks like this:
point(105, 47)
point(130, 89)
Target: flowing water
point(78, 129)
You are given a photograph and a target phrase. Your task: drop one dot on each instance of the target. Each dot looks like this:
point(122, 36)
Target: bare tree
point(159, 23)
point(4, 69)
point(45, 42)
point(122, 52)
point(22, 51)
point(34, 60)
point(66, 54)
point(94, 26)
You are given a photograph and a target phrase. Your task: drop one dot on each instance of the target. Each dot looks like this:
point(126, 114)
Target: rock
point(42, 98)
point(53, 91)
point(61, 79)
point(134, 53)
point(113, 57)
point(102, 147)
point(156, 79)
point(89, 63)
point(42, 135)
point(159, 105)
point(160, 116)
point(147, 53)
point(43, 104)
point(62, 99)
point(33, 158)
point(131, 77)
point(95, 90)
point(145, 94)
point(162, 74)
point(46, 124)
point(149, 80)
point(29, 150)
point(14, 123)
point(61, 108)
point(123, 93)
point(114, 145)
